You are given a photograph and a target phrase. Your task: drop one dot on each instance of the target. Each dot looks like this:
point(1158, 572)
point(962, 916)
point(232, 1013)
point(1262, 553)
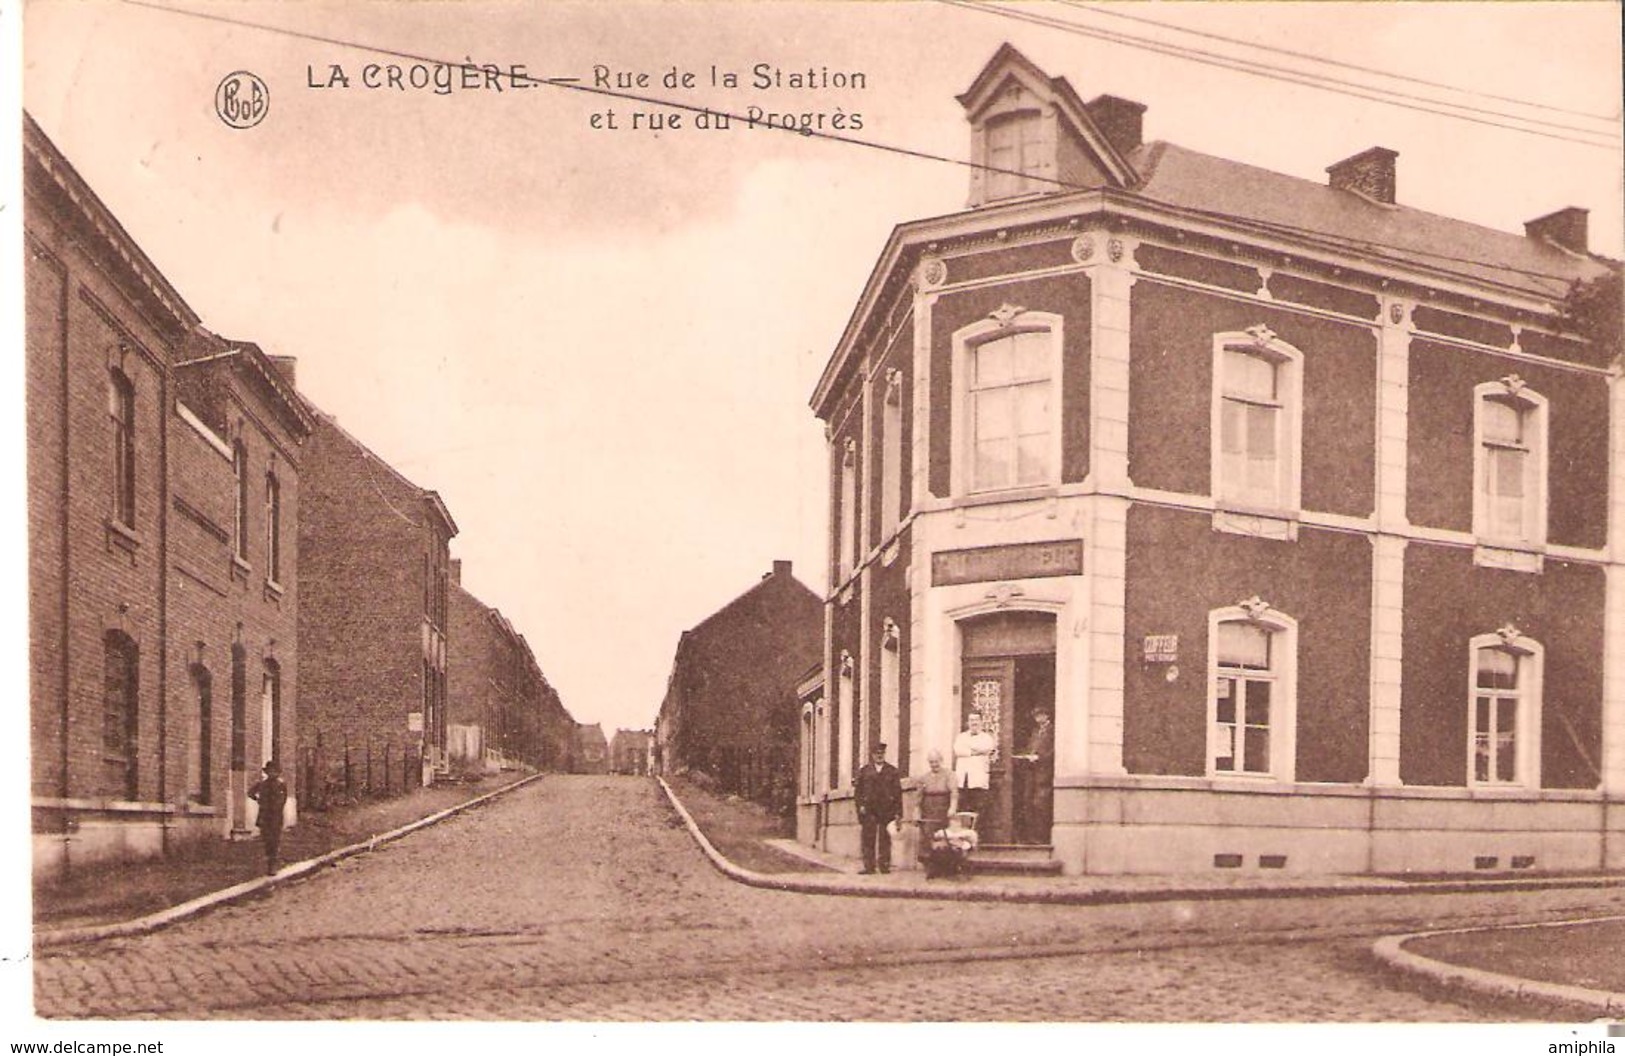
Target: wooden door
point(989, 691)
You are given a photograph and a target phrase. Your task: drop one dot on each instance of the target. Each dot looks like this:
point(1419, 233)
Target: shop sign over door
point(1020, 561)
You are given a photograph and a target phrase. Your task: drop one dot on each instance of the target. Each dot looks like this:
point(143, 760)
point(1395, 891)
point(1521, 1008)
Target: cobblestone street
point(584, 898)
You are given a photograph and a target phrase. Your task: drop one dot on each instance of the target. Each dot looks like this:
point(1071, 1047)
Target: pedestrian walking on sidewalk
point(879, 794)
point(271, 793)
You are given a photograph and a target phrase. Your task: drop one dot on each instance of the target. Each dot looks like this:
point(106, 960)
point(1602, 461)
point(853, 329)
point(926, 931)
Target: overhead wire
point(1385, 96)
point(1111, 11)
point(832, 136)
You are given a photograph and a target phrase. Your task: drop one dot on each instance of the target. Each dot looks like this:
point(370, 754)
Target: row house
point(730, 708)
point(500, 710)
point(629, 751)
point(590, 750)
point(163, 493)
point(373, 621)
point(1301, 512)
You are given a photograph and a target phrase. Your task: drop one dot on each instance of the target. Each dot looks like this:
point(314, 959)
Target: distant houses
point(219, 575)
point(591, 750)
point(631, 752)
point(731, 709)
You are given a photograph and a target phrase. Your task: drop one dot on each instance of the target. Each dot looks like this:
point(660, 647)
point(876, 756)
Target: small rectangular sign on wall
point(1161, 648)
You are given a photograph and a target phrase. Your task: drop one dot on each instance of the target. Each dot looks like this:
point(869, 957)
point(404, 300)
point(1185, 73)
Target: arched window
point(847, 516)
point(273, 528)
point(121, 411)
point(1252, 694)
point(844, 721)
point(891, 705)
point(121, 698)
point(1008, 406)
point(200, 751)
point(271, 711)
point(1509, 464)
point(891, 455)
point(1257, 421)
point(239, 512)
point(1504, 729)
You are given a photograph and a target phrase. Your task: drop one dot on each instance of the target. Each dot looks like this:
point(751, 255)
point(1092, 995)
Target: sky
point(598, 344)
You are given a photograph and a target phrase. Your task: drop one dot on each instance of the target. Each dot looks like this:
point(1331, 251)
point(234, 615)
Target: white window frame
point(1287, 500)
point(1531, 658)
point(1511, 391)
point(891, 688)
point(1006, 322)
point(891, 455)
point(846, 521)
point(1032, 148)
point(1283, 673)
point(845, 703)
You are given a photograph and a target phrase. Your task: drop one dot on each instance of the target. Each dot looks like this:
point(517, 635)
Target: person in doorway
point(879, 794)
point(271, 793)
point(1037, 773)
point(973, 754)
point(936, 801)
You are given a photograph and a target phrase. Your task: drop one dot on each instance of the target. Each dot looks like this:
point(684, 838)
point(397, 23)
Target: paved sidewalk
point(133, 898)
point(1521, 961)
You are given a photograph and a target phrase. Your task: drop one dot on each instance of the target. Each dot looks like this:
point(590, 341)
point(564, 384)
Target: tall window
point(273, 528)
point(1015, 152)
point(847, 520)
point(1504, 731)
point(1252, 703)
point(1510, 464)
point(271, 711)
point(121, 689)
point(891, 704)
point(1257, 416)
point(200, 755)
point(121, 409)
point(1010, 412)
point(843, 720)
point(891, 455)
point(239, 512)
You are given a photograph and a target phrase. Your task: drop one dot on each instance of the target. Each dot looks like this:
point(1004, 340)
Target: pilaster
point(1388, 550)
point(1613, 661)
point(1111, 282)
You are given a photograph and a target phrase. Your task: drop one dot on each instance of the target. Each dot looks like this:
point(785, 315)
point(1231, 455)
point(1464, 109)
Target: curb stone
point(227, 895)
point(1102, 896)
point(1391, 952)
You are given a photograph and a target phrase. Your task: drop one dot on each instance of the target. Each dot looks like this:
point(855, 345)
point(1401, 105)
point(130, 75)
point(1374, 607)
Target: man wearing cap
point(272, 795)
point(879, 794)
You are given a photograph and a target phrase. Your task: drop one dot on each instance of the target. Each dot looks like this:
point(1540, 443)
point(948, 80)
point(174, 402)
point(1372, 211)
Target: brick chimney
point(457, 571)
point(1119, 119)
point(1566, 228)
point(1370, 172)
point(287, 365)
point(781, 568)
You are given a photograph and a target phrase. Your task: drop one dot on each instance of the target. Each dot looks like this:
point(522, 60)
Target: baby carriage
point(951, 846)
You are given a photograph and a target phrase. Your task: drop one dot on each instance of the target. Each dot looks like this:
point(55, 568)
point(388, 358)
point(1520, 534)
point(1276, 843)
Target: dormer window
point(1015, 152)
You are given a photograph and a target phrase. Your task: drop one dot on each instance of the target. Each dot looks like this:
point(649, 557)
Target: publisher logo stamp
point(242, 99)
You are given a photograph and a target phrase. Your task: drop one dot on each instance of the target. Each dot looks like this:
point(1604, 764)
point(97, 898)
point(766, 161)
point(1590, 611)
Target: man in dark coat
point(879, 790)
point(271, 793)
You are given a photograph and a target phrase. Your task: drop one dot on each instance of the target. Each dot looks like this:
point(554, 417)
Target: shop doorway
point(1008, 679)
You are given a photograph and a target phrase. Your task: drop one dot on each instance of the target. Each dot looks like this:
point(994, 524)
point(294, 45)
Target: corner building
point(1302, 512)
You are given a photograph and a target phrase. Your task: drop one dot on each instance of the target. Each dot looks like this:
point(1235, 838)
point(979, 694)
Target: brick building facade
point(629, 751)
point(163, 488)
point(730, 709)
point(1301, 511)
point(500, 709)
point(590, 750)
point(373, 621)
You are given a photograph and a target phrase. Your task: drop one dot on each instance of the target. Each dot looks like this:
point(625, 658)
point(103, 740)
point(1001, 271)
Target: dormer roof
point(1011, 81)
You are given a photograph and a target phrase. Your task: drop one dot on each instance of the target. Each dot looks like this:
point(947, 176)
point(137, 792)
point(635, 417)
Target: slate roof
point(1186, 179)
